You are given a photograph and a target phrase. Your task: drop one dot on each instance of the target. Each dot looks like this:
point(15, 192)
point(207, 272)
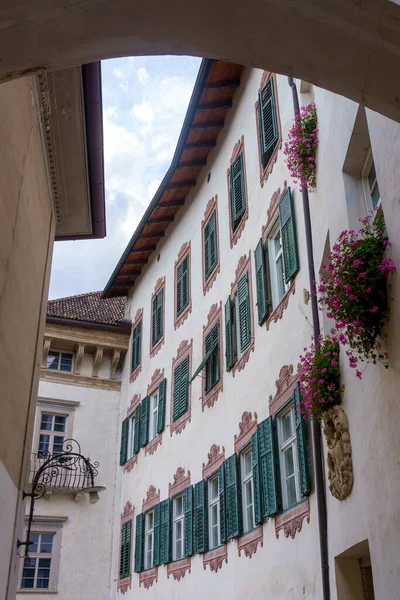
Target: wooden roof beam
point(144, 249)
point(195, 145)
point(179, 202)
point(181, 184)
point(156, 234)
point(160, 220)
point(137, 261)
point(211, 125)
point(192, 163)
point(125, 276)
point(225, 104)
point(224, 83)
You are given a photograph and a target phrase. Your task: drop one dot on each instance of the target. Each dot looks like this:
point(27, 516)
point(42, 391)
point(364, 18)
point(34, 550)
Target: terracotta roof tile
point(88, 307)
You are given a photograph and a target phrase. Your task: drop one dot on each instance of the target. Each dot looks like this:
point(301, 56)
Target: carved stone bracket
point(248, 543)
point(114, 363)
point(247, 427)
point(80, 351)
point(291, 521)
point(178, 569)
point(181, 481)
point(340, 463)
point(98, 357)
point(214, 559)
point(46, 348)
point(147, 578)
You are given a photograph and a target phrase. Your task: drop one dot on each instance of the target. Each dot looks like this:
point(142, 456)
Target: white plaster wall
point(87, 535)
point(282, 568)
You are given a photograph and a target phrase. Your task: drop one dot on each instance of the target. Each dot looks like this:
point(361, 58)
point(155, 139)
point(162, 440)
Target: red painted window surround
point(183, 252)
point(185, 349)
point(214, 315)
point(138, 317)
point(265, 173)
point(180, 482)
point(243, 266)
point(235, 235)
point(212, 206)
point(156, 379)
point(128, 513)
point(160, 284)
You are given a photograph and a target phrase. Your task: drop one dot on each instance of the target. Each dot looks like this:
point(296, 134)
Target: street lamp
point(67, 468)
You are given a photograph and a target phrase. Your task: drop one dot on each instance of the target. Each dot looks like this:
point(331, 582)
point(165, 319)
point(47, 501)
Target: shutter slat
point(164, 532)
point(156, 542)
point(229, 356)
point(288, 234)
point(269, 132)
point(154, 322)
point(188, 504)
point(267, 461)
point(255, 463)
point(184, 387)
point(222, 503)
point(137, 441)
point(200, 517)
point(177, 392)
point(261, 283)
point(162, 390)
point(301, 435)
point(237, 191)
point(243, 299)
point(139, 543)
point(232, 498)
point(124, 442)
point(144, 421)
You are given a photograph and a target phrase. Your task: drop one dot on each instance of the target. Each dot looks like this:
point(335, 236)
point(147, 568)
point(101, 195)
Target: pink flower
point(374, 309)
point(358, 374)
point(324, 370)
point(334, 363)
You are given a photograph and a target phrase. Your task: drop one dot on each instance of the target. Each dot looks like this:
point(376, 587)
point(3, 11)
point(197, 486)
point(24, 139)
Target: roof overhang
point(211, 100)
point(70, 104)
point(123, 327)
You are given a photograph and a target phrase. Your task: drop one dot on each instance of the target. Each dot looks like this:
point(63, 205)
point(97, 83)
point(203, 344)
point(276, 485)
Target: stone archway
point(352, 48)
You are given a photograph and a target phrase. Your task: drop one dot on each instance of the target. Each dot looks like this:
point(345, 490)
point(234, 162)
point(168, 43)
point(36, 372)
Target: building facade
point(216, 476)
point(77, 410)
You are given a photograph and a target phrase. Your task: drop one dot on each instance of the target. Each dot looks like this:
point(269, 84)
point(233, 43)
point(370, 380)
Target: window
point(211, 360)
point(59, 361)
point(131, 436)
point(246, 473)
point(370, 183)
point(277, 273)
point(52, 433)
point(267, 122)
point(289, 464)
point(37, 570)
point(157, 318)
point(149, 540)
point(210, 246)
point(125, 553)
point(178, 531)
point(181, 389)
point(136, 345)
point(182, 286)
point(214, 530)
point(153, 416)
point(237, 191)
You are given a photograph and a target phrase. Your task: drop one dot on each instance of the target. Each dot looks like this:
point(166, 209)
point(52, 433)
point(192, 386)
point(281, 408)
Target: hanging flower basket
point(320, 377)
point(355, 293)
point(301, 147)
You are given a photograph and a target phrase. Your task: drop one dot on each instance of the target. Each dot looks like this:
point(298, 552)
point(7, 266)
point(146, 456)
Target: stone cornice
point(79, 380)
point(88, 337)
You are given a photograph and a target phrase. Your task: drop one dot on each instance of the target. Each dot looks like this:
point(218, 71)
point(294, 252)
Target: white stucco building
point(77, 409)
point(216, 480)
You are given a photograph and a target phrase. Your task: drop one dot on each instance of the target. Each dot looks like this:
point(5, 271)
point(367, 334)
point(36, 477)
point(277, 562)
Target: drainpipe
point(317, 446)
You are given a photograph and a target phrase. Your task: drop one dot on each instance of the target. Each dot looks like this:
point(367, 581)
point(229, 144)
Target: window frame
point(131, 436)
point(56, 408)
point(267, 170)
point(273, 258)
point(367, 191)
point(216, 501)
point(52, 433)
point(185, 350)
point(244, 480)
point(60, 353)
point(153, 414)
point(52, 527)
point(159, 287)
point(147, 533)
point(283, 446)
point(175, 519)
point(236, 231)
point(211, 209)
point(137, 324)
point(184, 254)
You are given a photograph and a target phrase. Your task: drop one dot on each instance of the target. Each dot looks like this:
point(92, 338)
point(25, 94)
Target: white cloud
point(143, 112)
point(118, 140)
point(142, 75)
point(118, 74)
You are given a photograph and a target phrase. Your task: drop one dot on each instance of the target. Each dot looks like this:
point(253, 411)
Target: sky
point(144, 103)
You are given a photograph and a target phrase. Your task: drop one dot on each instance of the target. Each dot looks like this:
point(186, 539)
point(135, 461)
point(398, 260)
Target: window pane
point(213, 488)
point(46, 423)
point(43, 573)
point(291, 491)
point(66, 362)
point(287, 428)
point(214, 514)
point(59, 423)
point(58, 442)
point(178, 506)
point(178, 530)
point(28, 572)
point(52, 360)
point(149, 519)
point(289, 461)
point(215, 537)
point(44, 443)
point(372, 176)
point(246, 464)
point(46, 542)
point(34, 546)
point(375, 195)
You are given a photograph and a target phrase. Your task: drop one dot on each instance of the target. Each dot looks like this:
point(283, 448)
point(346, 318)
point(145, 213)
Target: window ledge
point(156, 348)
point(178, 568)
point(147, 578)
point(37, 591)
point(179, 425)
point(125, 584)
point(207, 285)
point(215, 558)
point(283, 304)
point(249, 542)
point(243, 360)
point(128, 466)
point(291, 521)
point(211, 397)
point(152, 446)
point(135, 374)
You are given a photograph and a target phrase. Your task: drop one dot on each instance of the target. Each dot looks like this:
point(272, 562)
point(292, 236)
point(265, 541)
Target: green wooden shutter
point(160, 309)
point(164, 532)
point(229, 355)
point(154, 322)
point(125, 554)
point(261, 283)
point(161, 405)
point(288, 235)
point(269, 132)
point(185, 282)
point(200, 517)
point(139, 539)
point(243, 299)
point(136, 439)
point(255, 463)
point(188, 506)
point(301, 434)
point(176, 392)
point(181, 389)
point(237, 191)
point(267, 462)
point(222, 503)
point(156, 551)
point(207, 242)
point(144, 421)
point(232, 498)
point(210, 246)
point(136, 345)
point(124, 442)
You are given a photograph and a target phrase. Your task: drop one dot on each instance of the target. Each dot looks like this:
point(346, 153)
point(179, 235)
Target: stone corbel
point(114, 363)
point(46, 348)
point(340, 463)
point(78, 358)
point(98, 357)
